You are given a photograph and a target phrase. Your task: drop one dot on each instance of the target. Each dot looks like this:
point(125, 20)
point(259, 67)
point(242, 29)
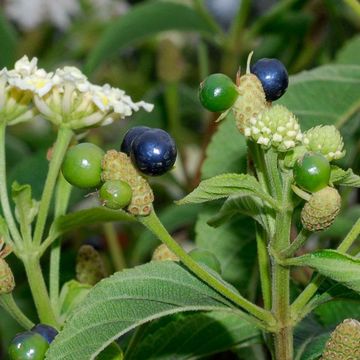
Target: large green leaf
point(128, 299)
point(222, 186)
point(333, 264)
point(313, 349)
point(226, 152)
point(211, 332)
point(141, 22)
point(229, 242)
point(326, 95)
point(349, 54)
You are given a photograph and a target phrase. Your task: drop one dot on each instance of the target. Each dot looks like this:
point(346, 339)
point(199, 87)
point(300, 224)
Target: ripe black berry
point(153, 152)
point(129, 137)
point(46, 331)
point(273, 76)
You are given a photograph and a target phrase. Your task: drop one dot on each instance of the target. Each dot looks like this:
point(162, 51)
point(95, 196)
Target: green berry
point(207, 258)
point(28, 345)
point(82, 165)
point(217, 93)
point(312, 172)
point(115, 194)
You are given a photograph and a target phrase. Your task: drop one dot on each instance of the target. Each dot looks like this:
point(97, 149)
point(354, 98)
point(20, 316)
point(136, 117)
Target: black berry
point(273, 77)
point(129, 137)
point(46, 331)
point(153, 152)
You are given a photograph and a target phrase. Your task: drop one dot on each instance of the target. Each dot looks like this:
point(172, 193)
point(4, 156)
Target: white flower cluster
point(63, 97)
point(275, 126)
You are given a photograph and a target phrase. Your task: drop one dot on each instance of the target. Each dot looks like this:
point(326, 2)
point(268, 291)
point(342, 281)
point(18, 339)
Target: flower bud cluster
point(275, 126)
point(63, 97)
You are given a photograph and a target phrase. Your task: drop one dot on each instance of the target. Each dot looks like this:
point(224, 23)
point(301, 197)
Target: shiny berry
point(28, 345)
point(46, 331)
point(217, 93)
point(273, 77)
point(82, 165)
point(312, 172)
point(115, 194)
point(153, 152)
point(207, 258)
point(223, 11)
point(129, 137)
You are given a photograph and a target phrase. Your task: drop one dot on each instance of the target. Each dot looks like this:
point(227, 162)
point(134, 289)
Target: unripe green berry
point(321, 210)
point(344, 342)
point(325, 140)
point(115, 194)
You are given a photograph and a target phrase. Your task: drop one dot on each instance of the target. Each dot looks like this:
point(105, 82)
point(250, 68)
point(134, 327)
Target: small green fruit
point(115, 194)
point(28, 345)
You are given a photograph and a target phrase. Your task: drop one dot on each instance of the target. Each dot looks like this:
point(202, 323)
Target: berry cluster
point(144, 151)
point(33, 344)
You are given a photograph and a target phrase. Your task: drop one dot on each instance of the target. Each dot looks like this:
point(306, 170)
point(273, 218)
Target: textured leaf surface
point(234, 245)
point(211, 332)
point(226, 151)
point(337, 266)
point(141, 22)
point(344, 177)
point(329, 94)
point(128, 299)
point(349, 54)
point(222, 186)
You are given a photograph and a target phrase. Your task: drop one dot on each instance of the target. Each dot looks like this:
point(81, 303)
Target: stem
point(60, 147)
point(116, 253)
point(63, 191)
point(310, 290)
point(203, 59)
point(4, 193)
point(264, 266)
point(155, 226)
point(8, 303)
point(296, 244)
point(38, 290)
point(271, 162)
point(283, 338)
point(354, 5)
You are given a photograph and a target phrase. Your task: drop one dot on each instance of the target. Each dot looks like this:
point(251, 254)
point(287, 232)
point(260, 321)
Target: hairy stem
point(296, 244)
point(59, 149)
point(155, 226)
point(8, 303)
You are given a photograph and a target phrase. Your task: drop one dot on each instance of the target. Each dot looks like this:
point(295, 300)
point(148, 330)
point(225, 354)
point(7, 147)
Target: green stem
point(14, 231)
point(354, 5)
point(60, 147)
point(62, 196)
point(271, 162)
point(296, 244)
point(203, 60)
point(38, 290)
point(155, 226)
point(283, 338)
point(8, 303)
point(264, 266)
point(311, 289)
point(116, 252)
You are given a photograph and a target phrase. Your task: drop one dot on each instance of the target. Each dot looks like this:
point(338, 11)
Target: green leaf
point(226, 152)
point(8, 41)
point(142, 22)
point(333, 264)
point(128, 299)
point(229, 243)
point(211, 332)
point(326, 95)
point(349, 54)
point(314, 348)
point(88, 217)
point(240, 205)
point(111, 352)
point(344, 177)
point(26, 208)
point(222, 186)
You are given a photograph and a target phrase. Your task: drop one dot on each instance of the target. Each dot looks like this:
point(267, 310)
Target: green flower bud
point(118, 166)
point(90, 267)
point(320, 211)
point(276, 126)
point(344, 342)
point(7, 281)
point(325, 140)
point(162, 252)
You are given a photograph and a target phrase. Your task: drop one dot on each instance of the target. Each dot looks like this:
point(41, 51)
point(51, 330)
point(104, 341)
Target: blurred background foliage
point(160, 51)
